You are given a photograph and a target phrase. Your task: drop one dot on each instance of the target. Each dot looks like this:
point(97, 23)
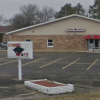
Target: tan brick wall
point(61, 42)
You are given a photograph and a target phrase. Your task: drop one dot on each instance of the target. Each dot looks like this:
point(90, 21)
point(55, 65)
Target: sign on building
point(76, 30)
point(20, 49)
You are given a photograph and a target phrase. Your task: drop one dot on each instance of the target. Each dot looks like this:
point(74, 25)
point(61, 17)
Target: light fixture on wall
point(27, 34)
point(74, 33)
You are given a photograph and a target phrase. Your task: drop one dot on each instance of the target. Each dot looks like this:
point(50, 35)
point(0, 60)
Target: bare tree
point(46, 14)
point(4, 21)
point(30, 15)
point(17, 21)
point(1, 19)
point(26, 17)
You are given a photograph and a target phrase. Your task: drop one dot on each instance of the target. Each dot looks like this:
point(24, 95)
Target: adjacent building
point(3, 30)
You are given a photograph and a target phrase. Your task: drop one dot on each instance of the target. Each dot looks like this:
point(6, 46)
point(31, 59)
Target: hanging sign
point(20, 49)
point(76, 30)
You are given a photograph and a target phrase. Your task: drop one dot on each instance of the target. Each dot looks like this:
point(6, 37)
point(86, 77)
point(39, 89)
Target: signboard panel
point(76, 30)
point(20, 49)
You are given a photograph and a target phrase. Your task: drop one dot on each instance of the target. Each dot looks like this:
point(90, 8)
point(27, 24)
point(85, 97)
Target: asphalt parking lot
point(79, 68)
point(66, 64)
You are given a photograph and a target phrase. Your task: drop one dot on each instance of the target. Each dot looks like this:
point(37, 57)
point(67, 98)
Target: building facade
point(73, 32)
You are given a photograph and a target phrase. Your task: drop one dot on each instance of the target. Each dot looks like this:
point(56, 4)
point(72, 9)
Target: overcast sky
point(10, 7)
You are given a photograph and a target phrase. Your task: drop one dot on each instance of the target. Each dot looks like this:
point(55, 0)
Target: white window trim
point(47, 43)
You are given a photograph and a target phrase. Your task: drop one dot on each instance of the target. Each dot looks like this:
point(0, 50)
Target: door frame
point(94, 45)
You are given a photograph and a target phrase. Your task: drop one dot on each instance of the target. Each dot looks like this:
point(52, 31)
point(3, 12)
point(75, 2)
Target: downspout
point(10, 37)
point(4, 36)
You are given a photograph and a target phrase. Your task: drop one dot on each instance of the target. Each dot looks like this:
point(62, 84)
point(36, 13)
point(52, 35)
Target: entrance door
point(91, 44)
point(96, 45)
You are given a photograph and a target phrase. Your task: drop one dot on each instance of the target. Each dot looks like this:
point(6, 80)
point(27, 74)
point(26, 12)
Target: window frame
point(49, 42)
point(27, 39)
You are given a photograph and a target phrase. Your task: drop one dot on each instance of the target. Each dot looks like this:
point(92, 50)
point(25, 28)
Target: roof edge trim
point(44, 23)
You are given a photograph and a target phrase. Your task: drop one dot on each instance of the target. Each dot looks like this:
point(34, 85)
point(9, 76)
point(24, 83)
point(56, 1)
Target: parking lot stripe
point(8, 62)
point(51, 63)
point(3, 58)
point(32, 61)
point(70, 63)
point(92, 65)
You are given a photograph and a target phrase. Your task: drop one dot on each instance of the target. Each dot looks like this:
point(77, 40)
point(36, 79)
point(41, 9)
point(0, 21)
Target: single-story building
point(3, 30)
point(73, 32)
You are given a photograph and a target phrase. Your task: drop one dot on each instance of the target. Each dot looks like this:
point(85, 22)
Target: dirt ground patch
point(11, 89)
point(8, 89)
point(76, 96)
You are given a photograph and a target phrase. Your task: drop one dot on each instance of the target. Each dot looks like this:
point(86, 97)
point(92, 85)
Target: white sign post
point(20, 50)
point(19, 69)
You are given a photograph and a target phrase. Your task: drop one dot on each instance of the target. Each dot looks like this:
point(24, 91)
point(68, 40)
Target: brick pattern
point(60, 42)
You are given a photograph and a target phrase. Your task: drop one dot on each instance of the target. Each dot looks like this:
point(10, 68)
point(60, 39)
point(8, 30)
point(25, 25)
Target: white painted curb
point(50, 90)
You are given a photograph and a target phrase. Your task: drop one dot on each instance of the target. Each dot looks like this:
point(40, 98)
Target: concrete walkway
point(29, 96)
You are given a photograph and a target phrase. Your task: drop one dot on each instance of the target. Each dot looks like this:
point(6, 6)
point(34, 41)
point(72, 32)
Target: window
point(27, 40)
point(91, 40)
point(49, 43)
point(5, 42)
